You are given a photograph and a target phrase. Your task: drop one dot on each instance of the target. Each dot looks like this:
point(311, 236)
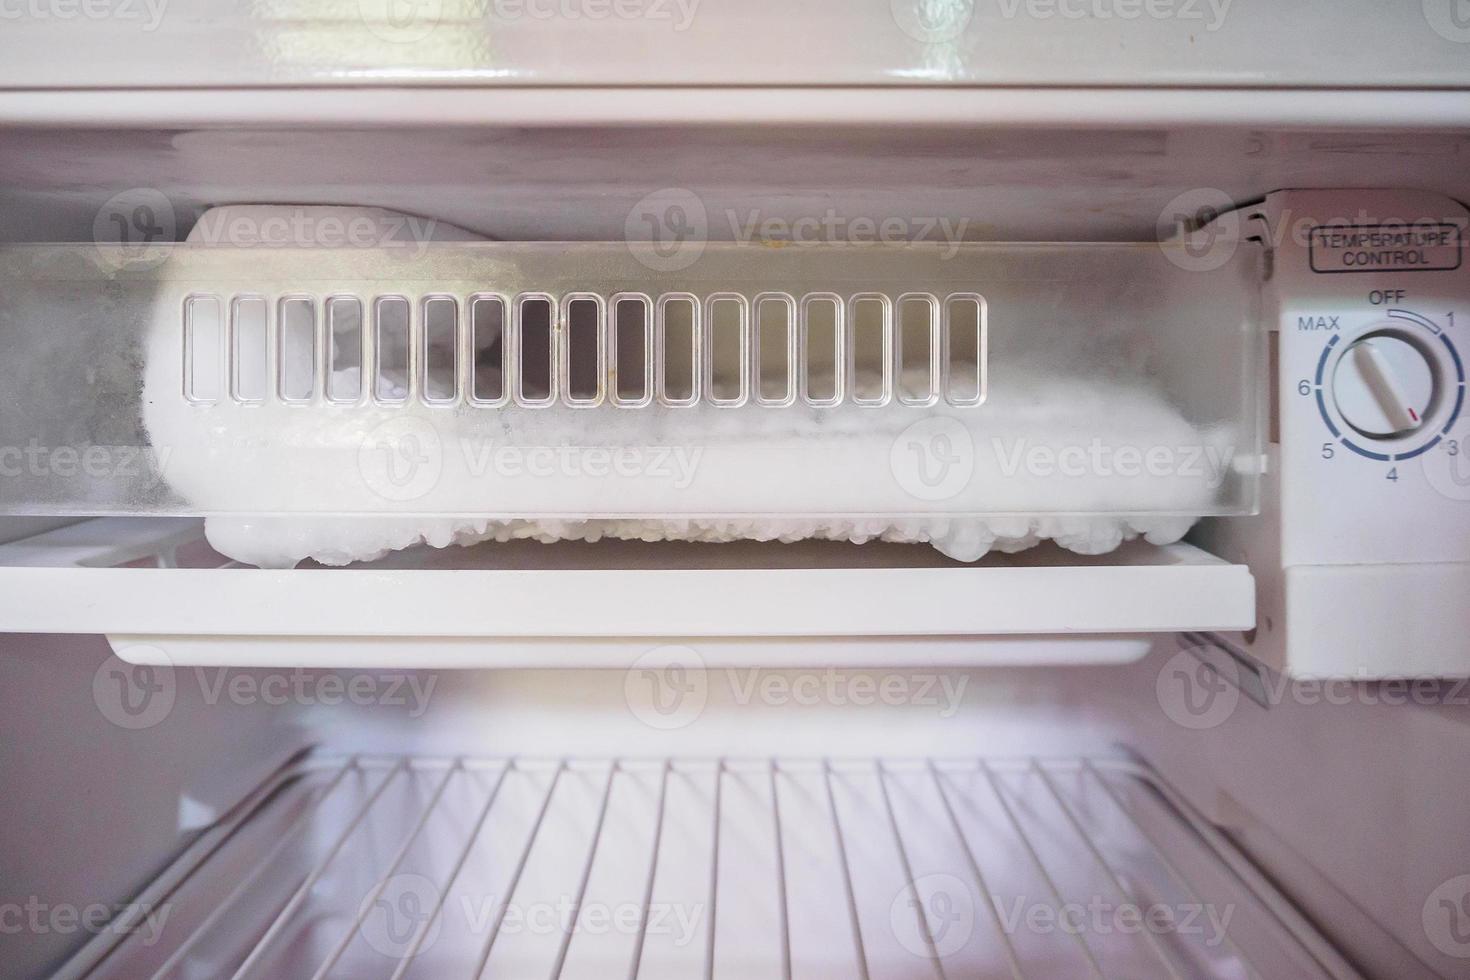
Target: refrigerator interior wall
point(961, 177)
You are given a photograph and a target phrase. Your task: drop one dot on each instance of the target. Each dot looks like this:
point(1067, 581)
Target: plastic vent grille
point(586, 350)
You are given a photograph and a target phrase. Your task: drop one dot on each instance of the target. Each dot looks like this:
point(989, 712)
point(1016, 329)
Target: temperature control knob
point(1383, 386)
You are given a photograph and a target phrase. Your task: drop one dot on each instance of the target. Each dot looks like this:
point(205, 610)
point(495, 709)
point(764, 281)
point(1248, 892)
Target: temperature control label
point(1385, 248)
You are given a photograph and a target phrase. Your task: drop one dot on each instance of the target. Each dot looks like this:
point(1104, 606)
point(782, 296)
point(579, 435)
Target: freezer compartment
point(400, 867)
point(577, 382)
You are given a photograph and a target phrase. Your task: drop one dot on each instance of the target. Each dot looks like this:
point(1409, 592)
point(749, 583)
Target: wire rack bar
point(291, 835)
point(1179, 877)
point(781, 903)
point(1053, 892)
point(986, 895)
point(848, 892)
point(515, 876)
point(1107, 869)
point(459, 863)
point(714, 874)
point(658, 834)
point(387, 876)
point(566, 942)
point(908, 873)
point(284, 918)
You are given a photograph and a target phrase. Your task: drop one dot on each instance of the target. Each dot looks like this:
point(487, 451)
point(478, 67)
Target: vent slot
point(490, 353)
point(203, 349)
point(344, 349)
point(297, 320)
point(678, 354)
point(775, 349)
point(391, 344)
point(821, 349)
point(582, 361)
point(535, 379)
point(964, 349)
point(918, 349)
point(728, 350)
point(439, 381)
point(871, 367)
point(250, 357)
point(632, 350)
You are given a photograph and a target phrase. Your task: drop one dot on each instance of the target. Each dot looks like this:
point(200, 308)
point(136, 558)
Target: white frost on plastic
point(1032, 402)
point(282, 542)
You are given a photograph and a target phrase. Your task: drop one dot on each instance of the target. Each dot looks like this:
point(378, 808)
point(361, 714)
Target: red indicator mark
point(1413, 415)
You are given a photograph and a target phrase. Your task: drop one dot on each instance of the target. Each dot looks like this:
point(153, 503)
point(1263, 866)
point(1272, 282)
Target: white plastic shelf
point(160, 593)
point(561, 868)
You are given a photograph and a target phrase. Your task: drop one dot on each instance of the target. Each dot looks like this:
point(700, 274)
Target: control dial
point(1384, 386)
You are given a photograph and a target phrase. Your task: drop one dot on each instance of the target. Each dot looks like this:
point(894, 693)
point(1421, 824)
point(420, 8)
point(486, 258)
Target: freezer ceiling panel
point(1403, 43)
